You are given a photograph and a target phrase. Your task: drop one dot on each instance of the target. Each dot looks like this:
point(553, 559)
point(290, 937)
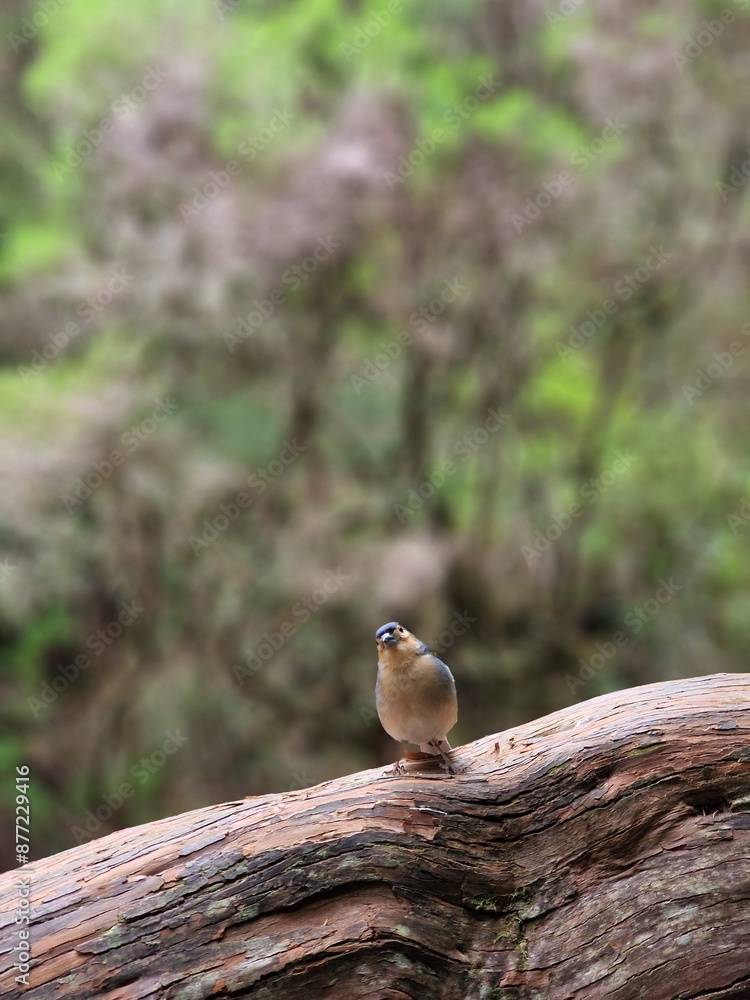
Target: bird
point(415, 693)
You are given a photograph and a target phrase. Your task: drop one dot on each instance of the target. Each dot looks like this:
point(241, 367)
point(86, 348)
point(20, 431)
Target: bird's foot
point(397, 768)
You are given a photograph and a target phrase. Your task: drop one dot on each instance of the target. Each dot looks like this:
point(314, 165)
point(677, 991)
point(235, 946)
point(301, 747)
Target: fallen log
point(601, 851)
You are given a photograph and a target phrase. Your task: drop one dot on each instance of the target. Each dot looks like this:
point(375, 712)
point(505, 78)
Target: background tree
point(268, 271)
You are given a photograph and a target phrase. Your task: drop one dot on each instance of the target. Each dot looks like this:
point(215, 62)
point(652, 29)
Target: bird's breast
point(416, 701)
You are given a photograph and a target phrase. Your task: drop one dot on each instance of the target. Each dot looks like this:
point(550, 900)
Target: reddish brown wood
point(602, 851)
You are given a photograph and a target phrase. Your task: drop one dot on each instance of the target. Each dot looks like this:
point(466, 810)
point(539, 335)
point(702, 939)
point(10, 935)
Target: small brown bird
point(415, 693)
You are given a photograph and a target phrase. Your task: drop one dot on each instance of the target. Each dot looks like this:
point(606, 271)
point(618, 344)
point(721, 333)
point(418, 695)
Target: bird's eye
point(401, 630)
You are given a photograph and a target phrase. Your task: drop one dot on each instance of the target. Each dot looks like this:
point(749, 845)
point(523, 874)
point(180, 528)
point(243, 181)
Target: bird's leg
point(439, 747)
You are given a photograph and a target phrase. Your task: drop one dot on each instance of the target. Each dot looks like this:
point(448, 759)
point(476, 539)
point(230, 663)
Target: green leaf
point(31, 249)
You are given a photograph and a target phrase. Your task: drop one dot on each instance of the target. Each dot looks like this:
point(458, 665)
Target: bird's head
point(396, 642)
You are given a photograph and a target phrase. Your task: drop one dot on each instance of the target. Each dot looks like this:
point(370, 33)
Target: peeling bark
point(602, 851)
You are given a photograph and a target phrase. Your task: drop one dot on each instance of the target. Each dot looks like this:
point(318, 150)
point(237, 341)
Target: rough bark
point(602, 851)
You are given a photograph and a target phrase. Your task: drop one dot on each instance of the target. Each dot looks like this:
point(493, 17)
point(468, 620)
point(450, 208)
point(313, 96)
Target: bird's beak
point(389, 639)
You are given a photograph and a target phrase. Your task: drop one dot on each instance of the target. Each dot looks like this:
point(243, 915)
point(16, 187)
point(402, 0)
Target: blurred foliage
point(319, 314)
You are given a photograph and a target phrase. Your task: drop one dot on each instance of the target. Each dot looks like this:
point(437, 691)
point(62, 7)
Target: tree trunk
point(602, 851)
